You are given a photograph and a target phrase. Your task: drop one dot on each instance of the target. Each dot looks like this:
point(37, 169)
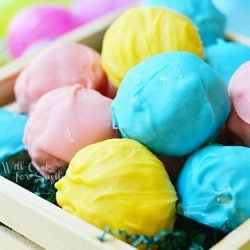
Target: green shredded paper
point(186, 235)
point(19, 170)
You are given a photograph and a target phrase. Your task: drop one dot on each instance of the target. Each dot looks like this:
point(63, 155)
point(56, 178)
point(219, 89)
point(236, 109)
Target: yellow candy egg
point(119, 183)
point(142, 32)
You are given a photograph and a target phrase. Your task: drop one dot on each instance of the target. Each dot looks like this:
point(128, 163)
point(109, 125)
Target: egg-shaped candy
point(227, 57)
point(62, 64)
point(209, 21)
point(119, 183)
point(173, 103)
point(9, 8)
point(39, 24)
point(239, 92)
point(213, 186)
point(64, 121)
point(142, 32)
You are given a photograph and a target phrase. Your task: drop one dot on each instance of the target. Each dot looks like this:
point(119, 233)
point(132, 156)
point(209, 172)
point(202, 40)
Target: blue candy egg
point(214, 185)
point(172, 103)
point(11, 133)
point(209, 21)
point(227, 57)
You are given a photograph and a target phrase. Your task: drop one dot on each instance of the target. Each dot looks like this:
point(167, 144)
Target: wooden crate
point(39, 224)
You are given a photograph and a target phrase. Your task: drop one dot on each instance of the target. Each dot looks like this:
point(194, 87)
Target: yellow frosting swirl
point(142, 32)
point(121, 184)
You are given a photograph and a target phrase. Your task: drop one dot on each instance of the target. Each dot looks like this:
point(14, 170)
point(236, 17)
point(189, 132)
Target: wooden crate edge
point(11, 240)
point(48, 225)
point(237, 239)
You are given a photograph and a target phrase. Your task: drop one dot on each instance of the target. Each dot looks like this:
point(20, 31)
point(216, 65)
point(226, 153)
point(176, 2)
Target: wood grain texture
point(48, 225)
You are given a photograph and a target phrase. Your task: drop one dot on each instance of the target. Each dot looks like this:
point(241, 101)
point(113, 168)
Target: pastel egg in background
point(226, 57)
point(39, 24)
point(9, 8)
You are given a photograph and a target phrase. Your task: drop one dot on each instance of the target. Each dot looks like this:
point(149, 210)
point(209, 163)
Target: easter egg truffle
point(142, 32)
point(9, 8)
point(63, 64)
point(172, 103)
point(214, 186)
point(11, 133)
point(119, 183)
point(226, 57)
point(64, 121)
point(209, 20)
point(239, 92)
point(38, 24)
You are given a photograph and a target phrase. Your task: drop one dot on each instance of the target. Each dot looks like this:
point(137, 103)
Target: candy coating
point(214, 186)
point(121, 184)
point(172, 103)
point(142, 32)
point(62, 64)
point(209, 21)
point(64, 121)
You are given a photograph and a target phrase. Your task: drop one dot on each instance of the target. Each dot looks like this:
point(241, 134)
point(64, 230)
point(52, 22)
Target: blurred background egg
point(8, 9)
point(39, 24)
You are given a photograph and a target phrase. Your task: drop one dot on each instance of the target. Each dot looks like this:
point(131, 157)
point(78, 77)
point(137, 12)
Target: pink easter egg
point(39, 24)
point(239, 92)
point(77, 117)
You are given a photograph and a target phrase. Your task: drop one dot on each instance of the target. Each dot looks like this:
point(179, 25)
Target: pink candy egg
point(239, 92)
point(40, 23)
point(62, 64)
point(64, 121)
